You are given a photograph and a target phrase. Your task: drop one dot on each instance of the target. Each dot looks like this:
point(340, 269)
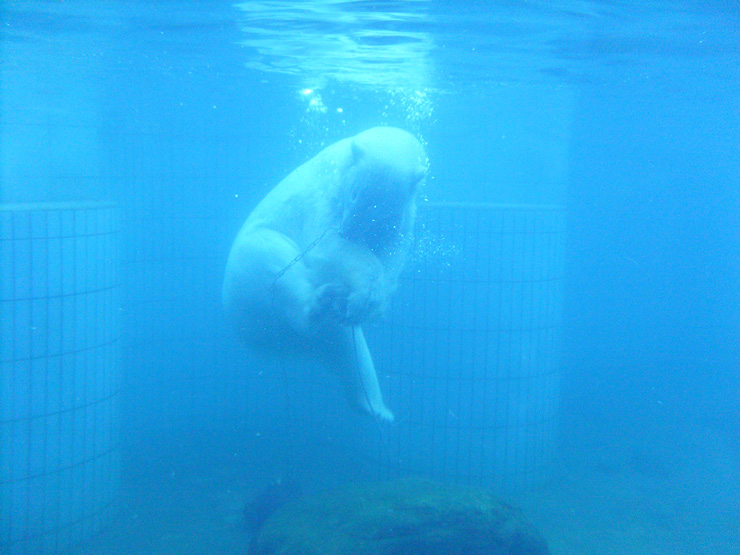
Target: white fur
point(322, 253)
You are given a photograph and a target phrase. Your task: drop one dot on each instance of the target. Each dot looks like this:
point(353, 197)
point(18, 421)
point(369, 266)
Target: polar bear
point(322, 252)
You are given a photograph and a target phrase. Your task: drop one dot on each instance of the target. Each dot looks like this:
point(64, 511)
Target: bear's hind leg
point(357, 373)
point(265, 291)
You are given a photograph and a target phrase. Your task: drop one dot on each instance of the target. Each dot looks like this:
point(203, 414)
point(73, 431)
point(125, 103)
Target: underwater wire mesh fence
point(468, 355)
point(59, 374)
point(471, 349)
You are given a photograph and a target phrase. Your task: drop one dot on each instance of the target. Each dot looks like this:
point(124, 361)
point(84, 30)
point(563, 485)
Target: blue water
point(625, 114)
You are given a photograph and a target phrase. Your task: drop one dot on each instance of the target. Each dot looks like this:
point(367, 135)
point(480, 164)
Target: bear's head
point(379, 193)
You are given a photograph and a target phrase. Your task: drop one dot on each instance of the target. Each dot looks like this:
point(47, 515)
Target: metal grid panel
point(468, 358)
point(59, 374)
point(470, 352)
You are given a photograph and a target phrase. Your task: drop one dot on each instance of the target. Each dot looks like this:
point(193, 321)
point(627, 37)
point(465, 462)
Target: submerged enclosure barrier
point(468, 357)
point(470, 351)
point(59, 374)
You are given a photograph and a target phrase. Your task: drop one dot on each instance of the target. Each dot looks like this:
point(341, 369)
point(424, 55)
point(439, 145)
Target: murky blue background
point(627, 115)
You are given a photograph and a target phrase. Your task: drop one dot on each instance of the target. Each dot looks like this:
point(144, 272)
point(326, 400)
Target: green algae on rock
point(411, 516)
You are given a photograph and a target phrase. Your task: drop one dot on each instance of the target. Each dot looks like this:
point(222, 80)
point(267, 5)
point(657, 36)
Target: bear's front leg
point(340, 303)
point(349, 282)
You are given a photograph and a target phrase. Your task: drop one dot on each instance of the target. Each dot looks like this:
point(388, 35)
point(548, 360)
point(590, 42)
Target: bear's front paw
point(330, 303)
point(338, 303)
point(361, 305)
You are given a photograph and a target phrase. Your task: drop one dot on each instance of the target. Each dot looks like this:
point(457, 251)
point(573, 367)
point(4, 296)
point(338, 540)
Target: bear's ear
point(358, 151)
point(422, 170)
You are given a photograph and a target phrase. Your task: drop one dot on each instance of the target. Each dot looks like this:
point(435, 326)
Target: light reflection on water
point(443, 45)
point(388, 44)
point(377, 44)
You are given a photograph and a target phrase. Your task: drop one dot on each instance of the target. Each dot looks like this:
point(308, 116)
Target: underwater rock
point(391, 518)
point(268, 500)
